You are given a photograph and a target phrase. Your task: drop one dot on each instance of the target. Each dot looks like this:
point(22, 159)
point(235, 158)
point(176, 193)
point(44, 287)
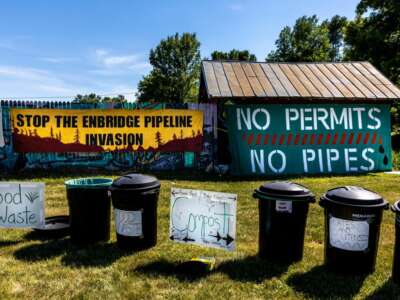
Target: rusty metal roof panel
point(313, 81)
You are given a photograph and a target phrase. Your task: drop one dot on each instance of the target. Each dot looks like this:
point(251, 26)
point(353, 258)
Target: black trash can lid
point(353, 196)
point(135, 181)
point(55, 227)
point(284, 190)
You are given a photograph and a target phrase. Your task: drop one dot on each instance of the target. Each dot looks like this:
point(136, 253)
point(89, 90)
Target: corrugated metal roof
point(342, 80)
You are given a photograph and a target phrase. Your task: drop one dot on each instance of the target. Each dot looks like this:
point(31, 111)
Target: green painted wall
point(278, 139)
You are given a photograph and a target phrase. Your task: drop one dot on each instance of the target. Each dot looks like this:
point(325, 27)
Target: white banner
point(203, 218)
point(1, 129)
point(22, 204)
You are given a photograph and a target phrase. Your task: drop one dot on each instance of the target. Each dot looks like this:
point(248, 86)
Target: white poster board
point(1, 129)
point(203, 218)
point(22, 204)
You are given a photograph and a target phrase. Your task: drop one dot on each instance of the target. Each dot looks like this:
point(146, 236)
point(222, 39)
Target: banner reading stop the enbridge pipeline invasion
point(97, 130)
point(309, 138)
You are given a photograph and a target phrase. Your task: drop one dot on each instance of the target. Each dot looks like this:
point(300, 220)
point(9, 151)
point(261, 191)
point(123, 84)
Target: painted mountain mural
point(32, 142)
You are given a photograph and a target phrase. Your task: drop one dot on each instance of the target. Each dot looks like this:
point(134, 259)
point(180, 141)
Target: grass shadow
point(98, 255)
point(321, 283)
point(42, 251)
point(169, 269)
point(8, 243)
point(252, 269)
point(389, 290)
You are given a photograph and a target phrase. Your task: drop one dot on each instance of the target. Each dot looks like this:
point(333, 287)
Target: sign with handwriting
point(22, 204)
point(204, 218)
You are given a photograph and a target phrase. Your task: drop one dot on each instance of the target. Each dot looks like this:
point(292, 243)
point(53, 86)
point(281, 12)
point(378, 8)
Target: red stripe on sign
point(250, 139)
point(351, 138)
point(243, 137)
point(305, 136)
point(289, 138)
point(380, 140)
point(373, 141)
point(328, 138)
point(343, 138)
point(366, 138)
point(312, 139)
point(335, 138)
point(321, 136)
point(282, 139)
point(296, 140)
point(258, 139)
point(359, 138)
point(266, 138)
point(273, 139)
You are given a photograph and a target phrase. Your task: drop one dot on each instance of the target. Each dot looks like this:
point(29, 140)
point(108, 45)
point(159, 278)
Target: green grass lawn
point(34, 269)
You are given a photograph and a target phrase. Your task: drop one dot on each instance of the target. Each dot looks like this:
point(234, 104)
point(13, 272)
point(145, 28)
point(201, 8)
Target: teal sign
point(277, 139)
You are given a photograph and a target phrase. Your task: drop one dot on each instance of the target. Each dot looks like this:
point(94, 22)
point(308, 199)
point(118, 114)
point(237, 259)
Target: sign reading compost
point(309, 138)
point(22, 204)
point(96, 130)
point(203, 218)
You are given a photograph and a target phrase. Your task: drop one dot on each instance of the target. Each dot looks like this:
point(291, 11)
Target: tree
point(158, 139)
point(306, 41)
point(336, 28)
point(242, 55)
point(90, 98)
point(176, 70)
point(93, 98)
point(76, 136)
point(374, 35)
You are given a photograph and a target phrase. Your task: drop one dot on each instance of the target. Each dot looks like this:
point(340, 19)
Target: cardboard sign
point(203, 218)
point(22, 205)
point(98, 130)
point(276, 139)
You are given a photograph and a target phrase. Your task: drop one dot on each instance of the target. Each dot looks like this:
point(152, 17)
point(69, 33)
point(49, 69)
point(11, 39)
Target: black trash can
point(89, 209)
point(353, 217)
point(134, 199)
point(396, 258)
point(283, 209)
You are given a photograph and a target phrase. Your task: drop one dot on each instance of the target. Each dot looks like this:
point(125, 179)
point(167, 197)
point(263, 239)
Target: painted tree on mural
point(158, 139)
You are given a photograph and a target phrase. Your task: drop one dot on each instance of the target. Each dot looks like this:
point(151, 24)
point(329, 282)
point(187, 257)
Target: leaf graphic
point(32, 196)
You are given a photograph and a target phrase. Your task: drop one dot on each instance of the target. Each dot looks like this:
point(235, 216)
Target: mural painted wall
point(118, 160)
point(309, 138)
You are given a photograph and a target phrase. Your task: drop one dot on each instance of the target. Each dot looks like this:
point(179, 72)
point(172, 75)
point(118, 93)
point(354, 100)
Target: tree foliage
point(93, 98)
point(306, 41)
point(241, 55)
point(374, 35)
point(336, 29)
point(176, 70)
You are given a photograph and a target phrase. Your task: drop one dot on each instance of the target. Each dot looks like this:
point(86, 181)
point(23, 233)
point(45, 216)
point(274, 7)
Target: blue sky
point(61, 48)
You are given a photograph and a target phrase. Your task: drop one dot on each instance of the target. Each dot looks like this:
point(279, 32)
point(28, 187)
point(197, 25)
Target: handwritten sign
point(276, 139)
point(203, 218)
point(22, 205)
point(348, 235)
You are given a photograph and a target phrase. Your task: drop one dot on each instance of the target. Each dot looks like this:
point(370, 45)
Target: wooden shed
point(354, 96)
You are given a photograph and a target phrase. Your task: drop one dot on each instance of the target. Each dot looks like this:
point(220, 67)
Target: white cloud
point(236, 7)
point(59, 60)
point(131, 62)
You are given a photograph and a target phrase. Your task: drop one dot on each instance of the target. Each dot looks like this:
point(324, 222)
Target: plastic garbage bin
point(396, 257)
point(283, 209)
point(89, 209)
point(353, 217)
point(134, 198)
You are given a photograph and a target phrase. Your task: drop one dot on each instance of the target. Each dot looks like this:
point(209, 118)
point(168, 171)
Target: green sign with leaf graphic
point(276, 139)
